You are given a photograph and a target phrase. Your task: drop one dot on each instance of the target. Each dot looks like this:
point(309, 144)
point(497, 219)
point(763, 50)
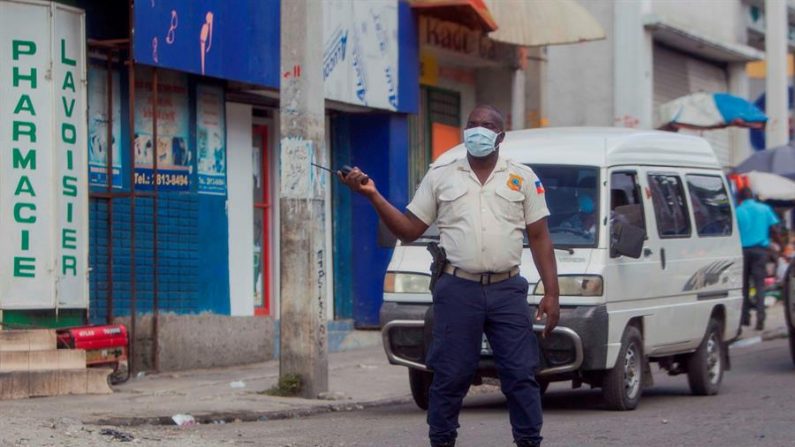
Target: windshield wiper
point(569, 250)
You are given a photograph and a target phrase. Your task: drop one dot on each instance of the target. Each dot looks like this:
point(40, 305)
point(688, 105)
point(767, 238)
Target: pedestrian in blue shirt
point(757, 223)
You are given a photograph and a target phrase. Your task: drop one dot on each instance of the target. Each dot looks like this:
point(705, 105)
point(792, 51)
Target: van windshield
point(573, 201)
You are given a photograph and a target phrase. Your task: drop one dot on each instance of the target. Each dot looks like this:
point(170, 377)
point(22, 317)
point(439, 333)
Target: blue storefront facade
point(172, 192)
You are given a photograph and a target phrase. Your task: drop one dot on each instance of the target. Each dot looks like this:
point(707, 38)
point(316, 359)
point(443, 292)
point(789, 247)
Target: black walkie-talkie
point(345, 171)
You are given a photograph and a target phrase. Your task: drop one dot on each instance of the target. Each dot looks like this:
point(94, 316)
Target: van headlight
point(396, 282)
point(575, 285)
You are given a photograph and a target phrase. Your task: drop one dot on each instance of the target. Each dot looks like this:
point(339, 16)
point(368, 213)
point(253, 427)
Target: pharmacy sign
point(43, 169)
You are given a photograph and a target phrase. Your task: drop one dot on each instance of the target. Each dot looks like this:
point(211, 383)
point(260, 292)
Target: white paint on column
point(777, 129)
point(518, 112)
point(632, 70)
point(240, 209)
point(740, 142)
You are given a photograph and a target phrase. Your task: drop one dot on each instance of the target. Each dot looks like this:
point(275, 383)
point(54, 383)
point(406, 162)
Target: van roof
point(602, 146)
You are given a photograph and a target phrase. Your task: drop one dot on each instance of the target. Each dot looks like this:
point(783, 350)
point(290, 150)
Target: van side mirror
point(626, 240)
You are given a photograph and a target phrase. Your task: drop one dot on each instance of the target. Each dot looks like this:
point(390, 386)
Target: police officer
point(481, 205)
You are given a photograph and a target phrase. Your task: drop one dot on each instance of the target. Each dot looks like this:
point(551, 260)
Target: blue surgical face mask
point(479, 141)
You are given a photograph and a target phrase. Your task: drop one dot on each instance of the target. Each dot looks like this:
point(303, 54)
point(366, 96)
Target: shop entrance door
point(262, 220)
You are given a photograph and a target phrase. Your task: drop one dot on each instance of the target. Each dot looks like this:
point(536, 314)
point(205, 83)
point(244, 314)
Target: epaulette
point(519, 166)
point(441, 163)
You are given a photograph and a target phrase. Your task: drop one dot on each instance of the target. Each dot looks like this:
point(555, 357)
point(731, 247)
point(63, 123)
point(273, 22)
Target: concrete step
point(27, 340)
point(24, 384)
point(49, 360)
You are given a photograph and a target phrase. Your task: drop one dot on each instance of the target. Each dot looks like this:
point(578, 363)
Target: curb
point(251, 416)
point(773, 334)
point(770, 334)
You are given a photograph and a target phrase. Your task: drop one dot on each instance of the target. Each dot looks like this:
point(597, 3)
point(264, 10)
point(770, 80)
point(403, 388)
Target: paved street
point(754, 408)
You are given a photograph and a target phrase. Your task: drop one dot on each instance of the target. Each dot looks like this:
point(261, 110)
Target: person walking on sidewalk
point(481, 205)
point(757, 223)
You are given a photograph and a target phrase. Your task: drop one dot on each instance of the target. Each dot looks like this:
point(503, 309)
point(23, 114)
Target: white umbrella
point(543, 22)
point(769, 186)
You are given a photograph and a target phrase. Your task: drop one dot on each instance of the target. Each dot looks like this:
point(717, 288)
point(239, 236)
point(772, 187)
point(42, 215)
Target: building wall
point(192, 249)
point(360, 255)
point(178, 249)
point(723, 20)
point(494, 87)
point(580, 77)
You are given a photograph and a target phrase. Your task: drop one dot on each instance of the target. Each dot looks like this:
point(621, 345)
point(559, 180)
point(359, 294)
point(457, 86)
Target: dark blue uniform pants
point(462, 311)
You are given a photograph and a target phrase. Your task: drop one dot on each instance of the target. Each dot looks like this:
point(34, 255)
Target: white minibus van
point(649, 263)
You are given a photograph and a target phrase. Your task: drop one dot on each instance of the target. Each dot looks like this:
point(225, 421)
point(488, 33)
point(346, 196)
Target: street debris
point(117, 435)
point(332, 395)
point(237, 384)
point(183, 420)
point(366, 366)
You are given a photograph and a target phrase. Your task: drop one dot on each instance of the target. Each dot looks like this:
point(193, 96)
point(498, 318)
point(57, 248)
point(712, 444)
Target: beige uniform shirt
point(481, 226)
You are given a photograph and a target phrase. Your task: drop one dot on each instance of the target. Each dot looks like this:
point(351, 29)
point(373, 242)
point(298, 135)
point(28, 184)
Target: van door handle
point(647, 252)
point(662, 257)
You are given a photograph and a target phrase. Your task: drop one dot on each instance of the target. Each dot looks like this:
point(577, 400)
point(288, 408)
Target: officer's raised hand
point(359, 182)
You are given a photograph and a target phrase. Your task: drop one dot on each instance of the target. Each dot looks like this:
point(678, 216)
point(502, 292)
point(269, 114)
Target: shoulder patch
point(515, 182)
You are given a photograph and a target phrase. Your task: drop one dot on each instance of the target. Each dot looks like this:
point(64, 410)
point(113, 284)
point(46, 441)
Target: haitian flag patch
point(539, 187)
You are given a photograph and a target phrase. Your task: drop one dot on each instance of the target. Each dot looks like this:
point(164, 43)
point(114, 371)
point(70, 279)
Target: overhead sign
point(43, 147)
point(237, 40)
point(360, 52)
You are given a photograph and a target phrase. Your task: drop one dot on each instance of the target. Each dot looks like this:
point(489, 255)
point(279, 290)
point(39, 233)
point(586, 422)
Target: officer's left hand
point(550, 307)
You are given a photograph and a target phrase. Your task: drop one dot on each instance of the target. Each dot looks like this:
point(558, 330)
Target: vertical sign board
point(43, 170)
point(211, 139)
point(360, 52)
point(98, 119)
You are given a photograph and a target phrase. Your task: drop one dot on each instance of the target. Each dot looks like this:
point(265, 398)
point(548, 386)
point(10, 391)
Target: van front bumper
point(579, 342)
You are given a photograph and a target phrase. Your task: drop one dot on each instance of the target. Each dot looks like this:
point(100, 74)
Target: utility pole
point(776, 104)
point(303, 341)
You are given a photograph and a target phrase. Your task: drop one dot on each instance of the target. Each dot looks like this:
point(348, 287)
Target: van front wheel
point(705, 366)
point(420, 383)
point(621, 387)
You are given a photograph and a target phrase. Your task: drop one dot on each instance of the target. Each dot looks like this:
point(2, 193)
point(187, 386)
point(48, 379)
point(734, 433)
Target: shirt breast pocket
point(451, 203)
point(510, 205)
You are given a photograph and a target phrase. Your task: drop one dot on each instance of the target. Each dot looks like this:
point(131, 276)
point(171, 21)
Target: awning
point(535, 23)
point(470, 13)
point(684, 39)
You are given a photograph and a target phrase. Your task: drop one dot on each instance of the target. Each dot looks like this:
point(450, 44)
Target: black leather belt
point(482, 278)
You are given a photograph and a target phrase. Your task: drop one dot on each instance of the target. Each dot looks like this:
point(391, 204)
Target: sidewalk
point(357, 379)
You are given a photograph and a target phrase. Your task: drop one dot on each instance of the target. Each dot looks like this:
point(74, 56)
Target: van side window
point(625, 199)
point(670, 207)
point(711, 206)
